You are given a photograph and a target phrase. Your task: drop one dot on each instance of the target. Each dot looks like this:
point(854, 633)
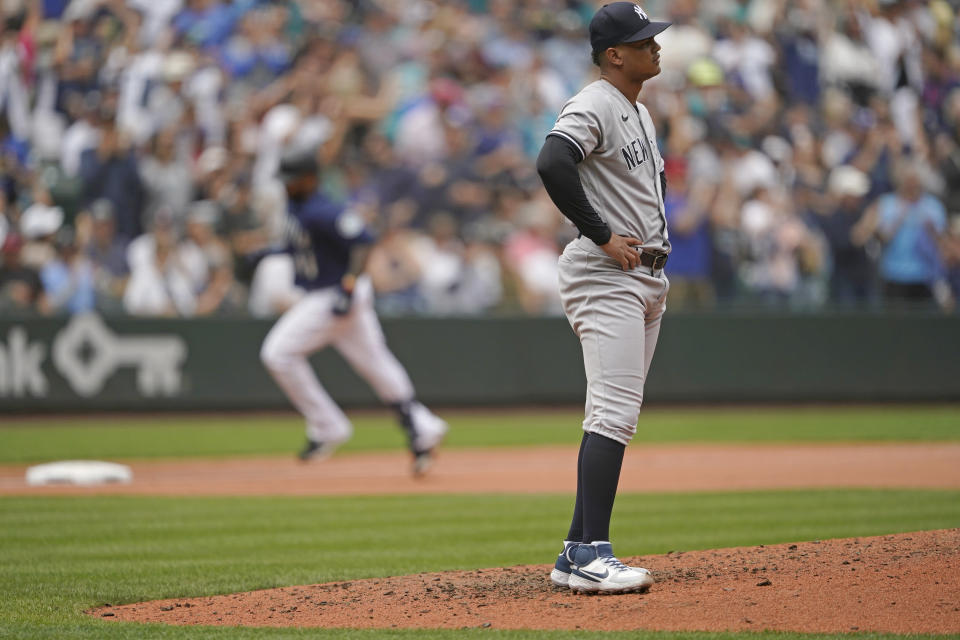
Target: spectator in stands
point(796, 39)
point(244, 233)
point(14, 70)
point(156, 17)
point(38, 224)
point(163, 281)
point(390, 180)
point(438, 107)
point(165, 102)
point(781, 250)
point(442, 264)
point(218, 291)
point(851, 279)
point(4, 221)
point(257, 52)
point(530, 255)
point(395, 265)
point(881, 149)
point(21, 290)
point(68, 279)
point(687, 40)
point(97, 232)
point(481, 282)
point(895, 43)
point(457, 278)
point(80, 51)
point(206, 23)
point(687, 210)
point(947, 152)
point(909, 224)
point(420, 134)
point(82, 135)
point(950, 248)
point(111, 171)
point(847, 62)
point(167, 178)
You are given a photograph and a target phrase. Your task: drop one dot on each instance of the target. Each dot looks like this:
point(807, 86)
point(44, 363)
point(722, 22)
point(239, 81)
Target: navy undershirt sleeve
point(557, 166)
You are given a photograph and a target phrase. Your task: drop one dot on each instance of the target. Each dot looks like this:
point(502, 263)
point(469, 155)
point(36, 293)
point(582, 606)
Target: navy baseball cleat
point(560, 576)
point(596, 570)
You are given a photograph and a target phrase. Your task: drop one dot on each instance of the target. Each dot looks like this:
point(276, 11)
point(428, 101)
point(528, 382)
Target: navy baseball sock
point(402, 410)
point(600, 469)
point(576, 525)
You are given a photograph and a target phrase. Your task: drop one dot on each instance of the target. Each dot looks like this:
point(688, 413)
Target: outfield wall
point(91, 363)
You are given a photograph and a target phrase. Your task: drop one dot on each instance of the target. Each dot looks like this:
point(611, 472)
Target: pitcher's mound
point(907, 583)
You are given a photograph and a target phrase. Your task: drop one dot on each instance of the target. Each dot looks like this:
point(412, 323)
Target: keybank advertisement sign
point(83, 356)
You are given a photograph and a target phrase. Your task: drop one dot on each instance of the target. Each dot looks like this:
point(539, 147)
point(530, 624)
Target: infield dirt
point(650, 468)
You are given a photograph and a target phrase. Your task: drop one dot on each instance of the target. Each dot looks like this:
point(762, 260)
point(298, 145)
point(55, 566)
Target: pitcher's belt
point(655, 261)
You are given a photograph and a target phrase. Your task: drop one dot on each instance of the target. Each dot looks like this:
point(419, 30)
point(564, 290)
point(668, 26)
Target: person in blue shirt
point(207, 23)
point(691, 257)
point(909, 223)
point(329, 244)
point(68, 280)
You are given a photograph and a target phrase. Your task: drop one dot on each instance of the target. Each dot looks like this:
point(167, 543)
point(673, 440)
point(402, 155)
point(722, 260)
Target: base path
point(907, 583)
point(653, 468)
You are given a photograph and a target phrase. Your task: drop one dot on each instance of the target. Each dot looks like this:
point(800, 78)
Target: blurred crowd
point(812, 149)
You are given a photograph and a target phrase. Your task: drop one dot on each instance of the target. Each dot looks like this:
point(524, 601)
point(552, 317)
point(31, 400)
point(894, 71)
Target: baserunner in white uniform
point(329, 244)
point(602, 168)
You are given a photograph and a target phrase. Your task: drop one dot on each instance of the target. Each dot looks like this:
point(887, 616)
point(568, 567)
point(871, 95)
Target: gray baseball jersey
point(620, 162)
point(615, 313)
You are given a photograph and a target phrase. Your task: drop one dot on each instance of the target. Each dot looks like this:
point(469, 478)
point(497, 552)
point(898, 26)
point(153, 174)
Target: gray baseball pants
point(616, 314)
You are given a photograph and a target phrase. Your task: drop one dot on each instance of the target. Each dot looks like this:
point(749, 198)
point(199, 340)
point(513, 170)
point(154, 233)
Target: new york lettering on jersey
point(620, 163)
point(634, 153)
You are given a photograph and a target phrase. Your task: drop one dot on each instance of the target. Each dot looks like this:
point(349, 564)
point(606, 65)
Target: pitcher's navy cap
point(621, 22)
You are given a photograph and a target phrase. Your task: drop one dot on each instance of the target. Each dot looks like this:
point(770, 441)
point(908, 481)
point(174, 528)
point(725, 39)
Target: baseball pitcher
point(602, 168)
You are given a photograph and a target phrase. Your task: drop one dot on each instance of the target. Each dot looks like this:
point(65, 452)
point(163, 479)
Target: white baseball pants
point(310, 325)
point(616, 314)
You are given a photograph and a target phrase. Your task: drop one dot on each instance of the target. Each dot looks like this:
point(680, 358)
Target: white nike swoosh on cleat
point(594, 576)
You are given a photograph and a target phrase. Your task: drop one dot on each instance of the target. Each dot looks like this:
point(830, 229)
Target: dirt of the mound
point(908, 583)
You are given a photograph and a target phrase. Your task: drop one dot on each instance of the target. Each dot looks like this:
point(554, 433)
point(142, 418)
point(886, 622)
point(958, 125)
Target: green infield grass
point(125, 437)
point(64, 555)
